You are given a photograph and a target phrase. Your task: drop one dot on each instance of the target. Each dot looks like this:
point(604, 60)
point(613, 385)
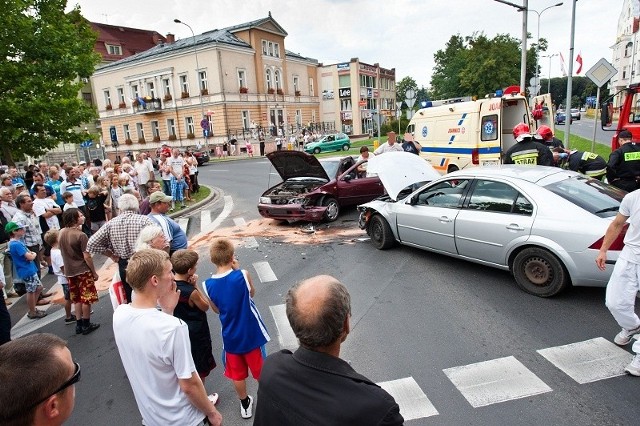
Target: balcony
point(147, 105)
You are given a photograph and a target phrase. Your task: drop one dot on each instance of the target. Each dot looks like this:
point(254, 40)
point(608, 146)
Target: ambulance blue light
point(499, 93)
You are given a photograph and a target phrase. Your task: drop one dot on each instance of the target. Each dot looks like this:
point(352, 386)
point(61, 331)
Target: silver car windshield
point(590, 194)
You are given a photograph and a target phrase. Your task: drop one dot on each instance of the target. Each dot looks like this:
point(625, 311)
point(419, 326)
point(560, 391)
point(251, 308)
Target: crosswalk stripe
point(589, 361)
point(264, 271)
point(226, 210)
point(205, 219)
point(494, 381)
point(413, 402)
point(250, 242)
point(239, 221)
point(286, 338)
point(184, 223)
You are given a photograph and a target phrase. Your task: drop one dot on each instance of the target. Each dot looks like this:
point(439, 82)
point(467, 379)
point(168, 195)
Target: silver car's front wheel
point(539, 272)
point(380, 233)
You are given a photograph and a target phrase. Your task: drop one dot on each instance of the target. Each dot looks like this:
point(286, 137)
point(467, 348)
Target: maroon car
point(315, 190)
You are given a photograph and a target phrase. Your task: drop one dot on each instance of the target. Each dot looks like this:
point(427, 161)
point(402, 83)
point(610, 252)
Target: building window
point(245, 120)
point(344, 81)
point(184, 83)
point(188, 121)
point(270, 53)
point(296, 83)
point(140, 131)
point(298, 118)
point(268, 79)
point(151, 89)
point(127, 134)
point(312, 91)
point(171, 126)
point(87, 98)
point(113, 49)
point(313, 116)
point(628, 49)
point(264, 47)
point(134, 91)
point(166, 86)
point(202, 77)
point(242, 78)
point(121, 98)
point(277, 79)
point(107, 98)
point(155, 129)
point(276, 50)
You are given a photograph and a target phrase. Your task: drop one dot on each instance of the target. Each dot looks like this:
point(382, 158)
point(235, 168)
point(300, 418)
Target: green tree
point(43, 53)
point(403, 85)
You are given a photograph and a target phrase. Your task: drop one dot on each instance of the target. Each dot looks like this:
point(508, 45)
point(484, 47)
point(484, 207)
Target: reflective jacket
point(587, 163)
point(529, 152)
point(623, 167)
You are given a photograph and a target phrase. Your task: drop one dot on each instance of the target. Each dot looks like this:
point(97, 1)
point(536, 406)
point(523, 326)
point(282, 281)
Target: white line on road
point(250, 242)
point(264, 271)
point(184, 223)
point(286, 338)
point(205, 219)
point(413, 402)
point(228, 207)
point(239, 221)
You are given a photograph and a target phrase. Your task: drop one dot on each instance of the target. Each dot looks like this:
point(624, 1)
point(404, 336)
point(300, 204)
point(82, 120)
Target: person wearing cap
point(160, 204)
point(23, 259)
point(623, 168)
point(527, 151)
point(545, 135)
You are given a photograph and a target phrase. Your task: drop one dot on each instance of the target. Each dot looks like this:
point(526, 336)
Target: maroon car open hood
point(292, 164)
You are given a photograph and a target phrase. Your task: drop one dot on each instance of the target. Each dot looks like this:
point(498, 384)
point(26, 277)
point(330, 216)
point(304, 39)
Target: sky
point(400, 34)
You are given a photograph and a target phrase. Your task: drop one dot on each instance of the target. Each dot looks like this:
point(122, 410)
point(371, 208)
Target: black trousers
point(5, 322)
point(122, 269)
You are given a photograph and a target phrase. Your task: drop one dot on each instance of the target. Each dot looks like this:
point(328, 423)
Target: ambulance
point(456, 134)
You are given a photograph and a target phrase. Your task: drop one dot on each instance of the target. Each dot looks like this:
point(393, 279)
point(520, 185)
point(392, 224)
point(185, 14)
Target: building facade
point(626, 52)
point(202, 90)
point(352, 94)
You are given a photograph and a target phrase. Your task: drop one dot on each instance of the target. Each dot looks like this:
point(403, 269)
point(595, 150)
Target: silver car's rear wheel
point(380, 233)
point(539, 272)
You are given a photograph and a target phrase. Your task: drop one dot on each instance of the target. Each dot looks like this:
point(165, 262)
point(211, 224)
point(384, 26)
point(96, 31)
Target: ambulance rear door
point(543, 102)
point(489, 134)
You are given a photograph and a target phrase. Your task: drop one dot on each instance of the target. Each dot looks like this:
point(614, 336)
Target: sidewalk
point(21, 325)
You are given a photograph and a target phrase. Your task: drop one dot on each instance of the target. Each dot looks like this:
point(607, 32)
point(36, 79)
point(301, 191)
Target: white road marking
point(205, 219)
point(286, 338)
point(184, 223)
point(228, 207)
point(413, 402)
point(26, 325)
point(494, 381)
point(264, 271)
point(589, 361)
point(239, 221)
point(250, 242)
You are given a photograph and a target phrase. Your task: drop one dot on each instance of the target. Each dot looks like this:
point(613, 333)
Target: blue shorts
point(32, 283)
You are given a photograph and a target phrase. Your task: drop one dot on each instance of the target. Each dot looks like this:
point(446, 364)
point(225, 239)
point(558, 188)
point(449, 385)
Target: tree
point(43, 53)
point(403, 85)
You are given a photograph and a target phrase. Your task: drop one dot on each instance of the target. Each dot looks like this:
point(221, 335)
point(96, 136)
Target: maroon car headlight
point(265, 200)
point(303, 201)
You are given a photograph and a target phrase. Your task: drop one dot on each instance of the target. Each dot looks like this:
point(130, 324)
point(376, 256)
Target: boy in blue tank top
point(244, 334)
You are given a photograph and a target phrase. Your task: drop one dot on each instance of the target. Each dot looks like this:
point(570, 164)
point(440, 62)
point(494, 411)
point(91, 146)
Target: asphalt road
point(584, 129)
point(456, 343)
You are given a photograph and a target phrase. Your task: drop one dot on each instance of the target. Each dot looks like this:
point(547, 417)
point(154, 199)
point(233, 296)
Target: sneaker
point(70, 320)
point(624, 337)
point(246, 413)
point(90, 328)
point(12, 294)
point(634, 366)
point(37, 315)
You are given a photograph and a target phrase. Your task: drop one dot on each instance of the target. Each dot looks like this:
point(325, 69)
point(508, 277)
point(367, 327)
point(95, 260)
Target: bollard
point(375, 144)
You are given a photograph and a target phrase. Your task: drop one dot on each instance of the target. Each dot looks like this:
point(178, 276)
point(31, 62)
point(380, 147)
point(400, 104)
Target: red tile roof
point(131, 40)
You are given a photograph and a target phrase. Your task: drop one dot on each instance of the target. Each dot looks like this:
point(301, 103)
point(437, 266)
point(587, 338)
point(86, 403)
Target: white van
point(456, 135)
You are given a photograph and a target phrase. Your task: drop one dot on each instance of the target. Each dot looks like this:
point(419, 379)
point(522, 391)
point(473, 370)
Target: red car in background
point(315, 190)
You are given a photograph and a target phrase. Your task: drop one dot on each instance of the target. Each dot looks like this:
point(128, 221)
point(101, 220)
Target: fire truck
point(629, 116)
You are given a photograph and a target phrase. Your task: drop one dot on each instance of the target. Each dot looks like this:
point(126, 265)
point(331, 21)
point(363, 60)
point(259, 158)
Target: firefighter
point(527, 151)
point(623, 168)
point(587, 163)
point(545, 136)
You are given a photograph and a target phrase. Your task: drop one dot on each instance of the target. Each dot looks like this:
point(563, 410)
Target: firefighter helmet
point(545, 132)
point(521, 131)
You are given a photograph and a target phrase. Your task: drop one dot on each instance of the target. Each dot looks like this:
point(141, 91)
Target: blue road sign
point(87, 143)
point(113, 133)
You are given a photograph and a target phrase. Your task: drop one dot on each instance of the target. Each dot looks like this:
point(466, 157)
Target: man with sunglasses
point(48, 396)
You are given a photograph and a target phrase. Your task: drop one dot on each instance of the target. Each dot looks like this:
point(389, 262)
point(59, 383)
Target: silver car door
point(428, 219)
point(496, 215)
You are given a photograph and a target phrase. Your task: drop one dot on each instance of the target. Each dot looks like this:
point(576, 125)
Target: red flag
point(579, 61)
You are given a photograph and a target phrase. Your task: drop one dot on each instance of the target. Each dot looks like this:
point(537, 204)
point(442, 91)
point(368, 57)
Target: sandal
point(37, 315)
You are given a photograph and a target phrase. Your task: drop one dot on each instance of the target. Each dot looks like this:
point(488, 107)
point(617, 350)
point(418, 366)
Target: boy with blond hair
point(244, 334)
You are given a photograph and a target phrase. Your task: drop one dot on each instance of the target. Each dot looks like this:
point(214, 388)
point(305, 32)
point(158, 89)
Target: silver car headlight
point(265, 200)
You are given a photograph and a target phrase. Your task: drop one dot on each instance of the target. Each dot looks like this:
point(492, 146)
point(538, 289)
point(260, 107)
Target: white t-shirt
point(177, 165)
point(630, 207)
point(385, 147)
point(40, 205)
point(57, 264)
point(144, 170)
point(156, 352)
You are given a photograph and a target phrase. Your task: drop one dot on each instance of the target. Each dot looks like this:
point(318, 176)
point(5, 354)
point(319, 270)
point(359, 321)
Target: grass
point(199, 196)
point(582, 144)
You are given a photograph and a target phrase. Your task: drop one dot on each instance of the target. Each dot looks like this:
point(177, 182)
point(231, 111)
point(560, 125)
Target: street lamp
point(549, 79)
point(538, 46)
point(195, 52)
point(523, 54)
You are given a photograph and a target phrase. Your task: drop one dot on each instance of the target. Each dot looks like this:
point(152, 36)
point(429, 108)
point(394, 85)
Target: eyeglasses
point(72, 381)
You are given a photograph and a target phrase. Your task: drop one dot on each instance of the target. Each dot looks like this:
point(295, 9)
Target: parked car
point(575, 114)
point(561, 117)
point(333, 142)
point(543, 224)
point(315, 190)
point(201, 155)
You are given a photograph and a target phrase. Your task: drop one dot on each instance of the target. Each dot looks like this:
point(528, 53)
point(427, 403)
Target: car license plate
point(490, 163)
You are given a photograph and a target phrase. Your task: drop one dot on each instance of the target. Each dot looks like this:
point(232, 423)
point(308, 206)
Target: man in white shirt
point(155, 349)
point(389, 146)
point(145, 173)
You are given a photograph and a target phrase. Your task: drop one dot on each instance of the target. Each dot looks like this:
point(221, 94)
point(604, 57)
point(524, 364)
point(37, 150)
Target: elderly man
point(31, 394)
point(7, 209)
point(144, 170)
point(313, 385)
point(117, 238)
point(33, 235)
point(160, 204)
point(155, 349)
point(389, 146)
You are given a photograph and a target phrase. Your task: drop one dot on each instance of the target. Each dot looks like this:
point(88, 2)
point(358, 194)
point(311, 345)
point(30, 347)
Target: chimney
point(171, 38)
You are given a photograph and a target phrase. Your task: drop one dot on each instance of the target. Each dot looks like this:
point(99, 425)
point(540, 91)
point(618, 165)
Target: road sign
point(204, 123)
point(113, 133)
point(86, 144)
point(601, 72)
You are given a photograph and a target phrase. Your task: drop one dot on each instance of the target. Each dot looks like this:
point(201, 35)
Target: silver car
point(543, 224)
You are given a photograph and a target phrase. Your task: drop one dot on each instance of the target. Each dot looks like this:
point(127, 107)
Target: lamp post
point(523, 53)
point(549, 79)
point(538, 46)
point(195, 52)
